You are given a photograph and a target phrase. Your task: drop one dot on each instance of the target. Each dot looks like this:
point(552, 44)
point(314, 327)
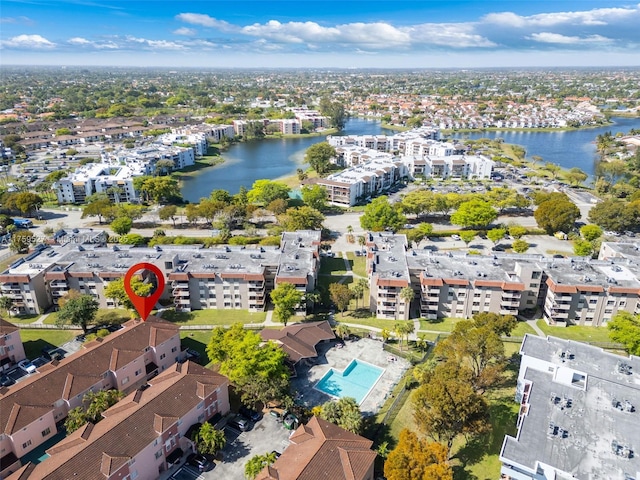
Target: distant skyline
point(329, 33)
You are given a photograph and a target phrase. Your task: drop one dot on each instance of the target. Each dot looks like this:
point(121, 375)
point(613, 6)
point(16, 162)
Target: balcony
point(180, 293)
point(511, 295)
point(510, 304)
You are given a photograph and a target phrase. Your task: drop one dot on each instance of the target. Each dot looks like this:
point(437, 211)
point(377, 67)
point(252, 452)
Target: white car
point(455, 237)
point(27, 366)
point(612, 234)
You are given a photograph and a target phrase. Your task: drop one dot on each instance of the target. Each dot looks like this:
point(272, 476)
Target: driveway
point(267, 435)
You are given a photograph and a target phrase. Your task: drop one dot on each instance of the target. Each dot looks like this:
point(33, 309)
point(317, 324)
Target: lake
point(270, 158)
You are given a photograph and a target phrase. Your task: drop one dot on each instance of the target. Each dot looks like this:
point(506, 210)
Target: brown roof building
point(299, 341)
point(138, 434)
point(31, 409)
point(11, 349)
point(321, 449)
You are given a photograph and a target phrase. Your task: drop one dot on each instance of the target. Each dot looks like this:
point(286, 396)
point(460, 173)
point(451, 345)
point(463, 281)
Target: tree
point(76, 418)
point(467, 236)
point(164, 166)
point(319, 157)
point(477, 344)
point(344, 412)
point(315, 196)
point(121, 225)
point(556, 216)
point(20, 241)
point(624, 328)
point(474, 214)
point(446, 406)
point(265, 191)
point(590, 232)
point(552, 168)
point(278, 206)
point(248, 361)
point(5, 304)
point(496, 234)
point(335, 111)
point(614, 214)
point(25, 202)
point(99, 402)
point(380, 215)
point(286, 298)
point(520, 246)
point(575, 176)
point(407, 295)
point(341, 295)
point(115, 290)
point(80, 310)
point(422, 231)
point(301, 218)
point(414, 458)
point(402, 330)
point(97, 205)
point(209, 440)
point(517, 231)
point(256, 463)
point(582, 248)
point(343, 331)
point(358, 288)
point(168, 212)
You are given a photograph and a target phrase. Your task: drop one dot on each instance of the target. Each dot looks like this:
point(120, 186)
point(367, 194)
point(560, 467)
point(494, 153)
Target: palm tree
point(358, 289)
point(209, 440)
point(343, 331)
point(407, 295)
point(403, 329)
point(362, 241)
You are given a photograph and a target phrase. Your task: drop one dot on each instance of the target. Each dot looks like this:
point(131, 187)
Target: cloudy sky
point(320, 33)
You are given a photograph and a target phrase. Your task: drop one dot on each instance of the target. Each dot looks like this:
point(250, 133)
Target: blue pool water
point(355, 381)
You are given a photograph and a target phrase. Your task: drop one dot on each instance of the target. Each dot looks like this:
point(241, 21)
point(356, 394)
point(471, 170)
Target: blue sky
point(321, 33)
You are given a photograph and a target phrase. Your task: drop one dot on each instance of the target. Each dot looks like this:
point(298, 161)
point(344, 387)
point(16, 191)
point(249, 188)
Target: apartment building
point(321, 449)
point(569, 291)
point(357, 183)
point(578, 414)
point(313, 116)
point(11, 348)
point(31, 410)
point(197, 140)
point(142, 435)
point(214, 132)
point(226, 277)
point(611, 250)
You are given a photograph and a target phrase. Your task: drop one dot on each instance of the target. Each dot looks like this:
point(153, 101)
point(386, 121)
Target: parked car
point(239, 423)
point(455, 237)
point(27, 366)
point(251, 414)
point(6, 381)
point(200, 462)
point(193, 355)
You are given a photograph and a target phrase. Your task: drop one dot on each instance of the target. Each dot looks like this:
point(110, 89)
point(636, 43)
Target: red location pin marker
point(144, 305)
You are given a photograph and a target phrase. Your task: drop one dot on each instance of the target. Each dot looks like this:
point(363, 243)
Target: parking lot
point(266, 436)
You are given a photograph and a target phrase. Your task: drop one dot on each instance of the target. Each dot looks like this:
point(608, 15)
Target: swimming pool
point(355, 381)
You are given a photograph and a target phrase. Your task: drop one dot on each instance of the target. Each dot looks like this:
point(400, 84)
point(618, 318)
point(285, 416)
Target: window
point(46, 432)
point(125, 380)
point(174, 349)
point(163, 356)
point(593, 301)
point(138, 372)
point(134, 474)
point(533, 285)
point(535, 275)
point(158, 454)
point(26, 444)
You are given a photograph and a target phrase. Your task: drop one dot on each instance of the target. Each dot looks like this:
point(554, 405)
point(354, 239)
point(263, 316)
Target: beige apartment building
point(225, 277)
point(31, 409)
point(11, 348)
point(568, 291)
point(142, 435)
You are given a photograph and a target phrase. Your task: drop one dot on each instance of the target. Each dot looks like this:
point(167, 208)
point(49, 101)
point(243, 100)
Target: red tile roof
point(321, 450)
point(299, 341)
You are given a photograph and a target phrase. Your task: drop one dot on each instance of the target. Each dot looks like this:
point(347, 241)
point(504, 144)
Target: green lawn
point(34, 340)
point(23, 319)
point(439, 325)
point(576, 332)
point(358, 264)
point(369, 322)
point(104, 315)
point(196, 340)
point(521, 329)
point(213, 317)
point(332, 266)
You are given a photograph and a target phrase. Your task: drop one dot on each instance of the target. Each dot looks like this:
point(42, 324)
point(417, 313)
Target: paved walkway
point(534, 325)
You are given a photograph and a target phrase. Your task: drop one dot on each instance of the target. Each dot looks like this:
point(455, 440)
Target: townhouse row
point(568, 291)
point(139, 356)
point(227, 277)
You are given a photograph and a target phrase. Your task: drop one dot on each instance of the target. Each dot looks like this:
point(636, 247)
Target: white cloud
point(203, 20)
point(79, 41)
point(455, 35)
point(595, 17)
point(548, 37)
point(37, 42)
point(188, 32)
point(17, 20)
point(156, 44)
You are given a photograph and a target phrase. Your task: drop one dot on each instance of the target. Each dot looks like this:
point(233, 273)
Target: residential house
point(11, 348)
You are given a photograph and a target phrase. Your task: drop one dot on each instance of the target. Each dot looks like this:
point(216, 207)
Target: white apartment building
point(313, 116)
point(215, 132)
point(197, 140)
point(578, 416)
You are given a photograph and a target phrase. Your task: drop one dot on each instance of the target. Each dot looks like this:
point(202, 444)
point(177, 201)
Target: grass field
point(576, 332)
point(23, 319)
point(332, 266)
point(196, 340)
point(213, 317)
point(358, 264)
point(104, 315)
point(34, 340)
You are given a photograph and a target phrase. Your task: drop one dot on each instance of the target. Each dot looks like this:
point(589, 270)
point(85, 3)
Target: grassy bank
point(200, 163)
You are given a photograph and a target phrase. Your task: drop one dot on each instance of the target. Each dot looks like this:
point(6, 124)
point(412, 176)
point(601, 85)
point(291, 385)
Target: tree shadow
point(361, 313)
point(34, 348)
point(196, 345)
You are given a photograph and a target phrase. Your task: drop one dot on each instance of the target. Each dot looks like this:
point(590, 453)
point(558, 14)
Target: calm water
point(569, 149)
point(247, 162)
point(274, 158)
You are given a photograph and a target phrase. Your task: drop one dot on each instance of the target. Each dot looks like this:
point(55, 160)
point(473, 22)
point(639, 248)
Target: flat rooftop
point(390, 256)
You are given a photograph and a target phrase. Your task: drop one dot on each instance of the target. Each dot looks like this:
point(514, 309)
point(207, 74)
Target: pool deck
point(329, 356)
